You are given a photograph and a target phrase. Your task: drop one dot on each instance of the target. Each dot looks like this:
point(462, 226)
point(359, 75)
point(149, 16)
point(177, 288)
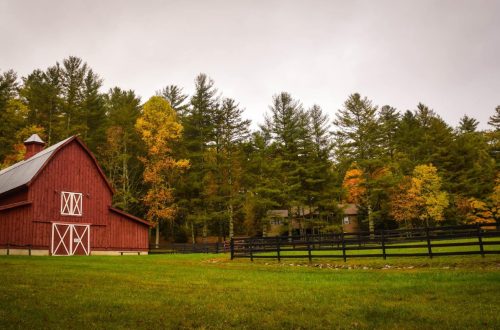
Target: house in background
point(303, 222)
point(58, 202)
point(278, 223)
point(350, 223)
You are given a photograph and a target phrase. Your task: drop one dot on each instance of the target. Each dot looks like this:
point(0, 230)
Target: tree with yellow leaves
point(159, 128)
point(421, 198)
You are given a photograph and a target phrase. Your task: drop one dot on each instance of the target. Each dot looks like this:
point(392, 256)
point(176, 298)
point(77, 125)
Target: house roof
point(278, 213)
point(130, 216)
point(349, 209)
point(26, 171)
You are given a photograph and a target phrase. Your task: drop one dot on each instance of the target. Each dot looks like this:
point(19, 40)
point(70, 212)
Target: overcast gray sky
point(445, 54)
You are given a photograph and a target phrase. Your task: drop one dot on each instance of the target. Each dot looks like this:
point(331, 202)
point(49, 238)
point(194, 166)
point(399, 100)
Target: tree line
point(192, 163)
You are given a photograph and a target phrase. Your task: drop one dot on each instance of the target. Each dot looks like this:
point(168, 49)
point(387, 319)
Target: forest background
point(193, 165)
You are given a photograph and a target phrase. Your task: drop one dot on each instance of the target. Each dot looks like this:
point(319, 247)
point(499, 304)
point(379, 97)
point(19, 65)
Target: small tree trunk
point(205, 230)
point(157, 239)
point(371, 223)
point(231, 223)
point(193, 240)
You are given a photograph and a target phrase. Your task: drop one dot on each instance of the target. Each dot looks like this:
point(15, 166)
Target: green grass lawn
point(210, 291)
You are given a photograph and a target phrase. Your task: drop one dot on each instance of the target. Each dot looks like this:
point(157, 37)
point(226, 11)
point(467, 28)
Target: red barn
point(58, 202)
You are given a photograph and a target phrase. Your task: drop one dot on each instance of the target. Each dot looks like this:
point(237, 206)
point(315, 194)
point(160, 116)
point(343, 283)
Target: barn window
point(71, 203)
point(346, 220)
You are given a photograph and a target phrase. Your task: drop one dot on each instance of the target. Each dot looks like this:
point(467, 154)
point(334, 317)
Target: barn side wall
point(16, 227)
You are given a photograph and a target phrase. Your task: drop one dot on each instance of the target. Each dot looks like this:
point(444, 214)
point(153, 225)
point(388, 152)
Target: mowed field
point(211, 292)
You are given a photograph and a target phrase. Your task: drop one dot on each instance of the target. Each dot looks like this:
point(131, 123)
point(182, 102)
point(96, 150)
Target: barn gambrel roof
point(23, 173)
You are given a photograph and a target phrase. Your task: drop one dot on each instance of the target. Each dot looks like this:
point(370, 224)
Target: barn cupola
point(34, 144)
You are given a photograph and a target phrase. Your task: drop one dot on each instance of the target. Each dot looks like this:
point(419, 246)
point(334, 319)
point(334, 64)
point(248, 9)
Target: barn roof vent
point(34, 144)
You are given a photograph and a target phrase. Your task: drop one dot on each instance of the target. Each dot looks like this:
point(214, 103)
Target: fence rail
point(189, 248)
point(430, 242)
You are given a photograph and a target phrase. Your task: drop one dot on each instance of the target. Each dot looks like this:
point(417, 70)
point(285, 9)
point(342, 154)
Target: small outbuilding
point(57, 201)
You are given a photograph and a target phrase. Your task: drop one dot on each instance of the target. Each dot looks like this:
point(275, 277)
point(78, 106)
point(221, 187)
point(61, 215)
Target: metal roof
point(34, 139)
point(21, 173)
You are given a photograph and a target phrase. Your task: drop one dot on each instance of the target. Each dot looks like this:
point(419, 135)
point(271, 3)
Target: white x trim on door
point(66, 239)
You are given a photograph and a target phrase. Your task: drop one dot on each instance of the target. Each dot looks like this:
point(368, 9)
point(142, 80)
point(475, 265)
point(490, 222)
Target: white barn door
point(70, 239)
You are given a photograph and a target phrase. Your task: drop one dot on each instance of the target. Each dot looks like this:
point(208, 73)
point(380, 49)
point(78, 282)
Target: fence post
point(217, 248)
point(480, 238)
point(8, 249)
point(278, 251)
point(231, 247)
point(29, 251)
point(251, 249)
point(383, 245)
point(343, 248)
point(429, 246)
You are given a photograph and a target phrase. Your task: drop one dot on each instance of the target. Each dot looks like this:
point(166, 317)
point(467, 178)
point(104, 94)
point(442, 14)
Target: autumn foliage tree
point(159, 129)
point(421, 198)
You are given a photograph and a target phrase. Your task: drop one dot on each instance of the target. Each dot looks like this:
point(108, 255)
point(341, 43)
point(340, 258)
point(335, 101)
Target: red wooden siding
point(16, 226)
point(71, 170)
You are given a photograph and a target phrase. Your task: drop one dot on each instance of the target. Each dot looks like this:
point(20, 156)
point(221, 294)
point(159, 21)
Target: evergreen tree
point(358, 139)
point(198, 136)
point(286, 125)
point(176, 97)
point(389, 121)
point(317, 182)
point(41, 91)
point(230, 131)
point(94, 121)
point(357, 131)
point(119, 155)
point(467, 124)
point(12, 113)
point(495, 119)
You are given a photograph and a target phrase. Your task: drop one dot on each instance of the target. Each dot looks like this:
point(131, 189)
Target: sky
point(445, 54)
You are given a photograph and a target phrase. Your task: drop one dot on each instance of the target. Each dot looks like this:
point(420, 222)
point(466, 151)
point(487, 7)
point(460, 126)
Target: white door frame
point(74, 242)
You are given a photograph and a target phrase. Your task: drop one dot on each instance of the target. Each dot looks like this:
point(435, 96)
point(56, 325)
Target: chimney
point(33, 146)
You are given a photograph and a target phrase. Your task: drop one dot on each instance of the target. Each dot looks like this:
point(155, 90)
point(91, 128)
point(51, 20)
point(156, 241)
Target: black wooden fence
point(189, 248)
point(429, 242)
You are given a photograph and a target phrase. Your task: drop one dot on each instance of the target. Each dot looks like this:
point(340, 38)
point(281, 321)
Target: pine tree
point(358, 139)
point(42, 93)
point(495, 119)
point(119, 155)
point(389, 121)
point(231, 130)
point(317, 182)
point(286, 124)
point(357, 130)
point(176, 97)
point(94, 120)
point(12, 113)
point(467, 124)
point(198, 136)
